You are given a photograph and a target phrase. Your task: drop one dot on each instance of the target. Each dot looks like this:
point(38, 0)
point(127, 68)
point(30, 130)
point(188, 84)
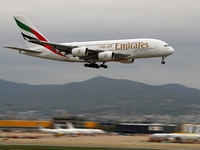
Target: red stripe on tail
point(41, 38)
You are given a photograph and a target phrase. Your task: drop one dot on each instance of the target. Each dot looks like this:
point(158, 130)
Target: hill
point(101, 96)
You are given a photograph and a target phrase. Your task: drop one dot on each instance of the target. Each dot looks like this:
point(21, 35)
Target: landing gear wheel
point(86, 65)
point(92, 65)
point(103, 66)
point(163, 62)
point(97, 66)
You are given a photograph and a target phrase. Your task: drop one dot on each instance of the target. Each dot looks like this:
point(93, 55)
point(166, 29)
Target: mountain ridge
point(101, 95)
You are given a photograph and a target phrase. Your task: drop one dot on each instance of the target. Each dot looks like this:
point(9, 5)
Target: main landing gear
point(163, 62)
point(94, 65)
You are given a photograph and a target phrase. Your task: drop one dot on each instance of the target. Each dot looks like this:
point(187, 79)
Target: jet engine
point(80, 51)
point(103, 56)
point(128, 61)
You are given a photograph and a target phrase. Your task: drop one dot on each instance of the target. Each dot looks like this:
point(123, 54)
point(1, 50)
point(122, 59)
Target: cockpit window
point(166, 45)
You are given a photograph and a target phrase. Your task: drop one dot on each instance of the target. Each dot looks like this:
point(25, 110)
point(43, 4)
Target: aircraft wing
point(53, 45)
point(25, 49)
point(60, 47)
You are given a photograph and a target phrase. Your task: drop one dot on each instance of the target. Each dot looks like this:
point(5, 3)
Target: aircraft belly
point(144, 53)
point(148, 53)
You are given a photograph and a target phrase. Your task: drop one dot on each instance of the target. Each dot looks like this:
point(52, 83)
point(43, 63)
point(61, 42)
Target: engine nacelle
point(128, 61)
point(104, 56)
point(80, 51)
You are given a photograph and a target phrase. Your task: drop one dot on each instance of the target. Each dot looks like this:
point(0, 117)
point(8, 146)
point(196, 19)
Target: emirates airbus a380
point(90, 53)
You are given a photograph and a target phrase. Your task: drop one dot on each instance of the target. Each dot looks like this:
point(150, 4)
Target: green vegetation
point(29, 147)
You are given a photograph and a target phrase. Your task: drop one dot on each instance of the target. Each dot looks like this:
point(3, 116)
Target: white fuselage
point(73, 131)
point(138, 48)
point(83, 131)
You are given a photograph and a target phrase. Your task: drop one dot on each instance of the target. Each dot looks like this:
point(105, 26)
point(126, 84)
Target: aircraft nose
point(171, 50)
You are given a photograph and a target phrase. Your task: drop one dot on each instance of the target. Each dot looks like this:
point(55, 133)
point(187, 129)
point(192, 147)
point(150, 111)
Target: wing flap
point(25, 49)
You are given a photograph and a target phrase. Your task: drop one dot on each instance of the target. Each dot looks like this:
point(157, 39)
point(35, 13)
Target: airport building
point(145, 128)
point(190, 128)
point(80, 122)
point(25, 126)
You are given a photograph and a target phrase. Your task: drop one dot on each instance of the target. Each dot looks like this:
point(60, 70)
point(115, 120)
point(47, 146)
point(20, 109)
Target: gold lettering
point(135, 46)
point(109, 46)
point(139, 45)
point(123, 46)
point(146, 45)
point(131, 45)
point(116, 46)
point(142, 45)
point(120, 46)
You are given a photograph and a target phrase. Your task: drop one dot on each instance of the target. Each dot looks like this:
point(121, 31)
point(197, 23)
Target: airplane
point(91, 53)
point(71, 130)
point(56, 132)
point(175, 136)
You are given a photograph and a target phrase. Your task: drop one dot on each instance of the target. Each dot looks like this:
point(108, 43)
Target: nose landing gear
point(163, 62)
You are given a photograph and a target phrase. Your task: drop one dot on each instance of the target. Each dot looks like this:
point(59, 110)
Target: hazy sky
point(176, 22)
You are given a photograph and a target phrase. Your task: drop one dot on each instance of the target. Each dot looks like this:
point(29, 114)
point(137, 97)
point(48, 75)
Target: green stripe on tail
point(23, 26)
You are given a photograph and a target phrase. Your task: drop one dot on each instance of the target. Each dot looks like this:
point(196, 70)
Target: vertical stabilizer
point(40, 126)
point(29, 31)
point(57, 126)
point(70, 125)
point(198, 130)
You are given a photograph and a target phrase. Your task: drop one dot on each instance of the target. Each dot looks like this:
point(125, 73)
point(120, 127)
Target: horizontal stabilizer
point(26, 49)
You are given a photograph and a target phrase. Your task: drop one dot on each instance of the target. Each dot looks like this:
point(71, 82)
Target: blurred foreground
point(109, 140)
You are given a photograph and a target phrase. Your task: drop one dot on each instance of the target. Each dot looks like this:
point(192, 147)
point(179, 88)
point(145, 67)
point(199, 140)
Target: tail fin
point(40, 126)
point(29, 32)
point(57, 126)
point(70, 125)
point(198, 130)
